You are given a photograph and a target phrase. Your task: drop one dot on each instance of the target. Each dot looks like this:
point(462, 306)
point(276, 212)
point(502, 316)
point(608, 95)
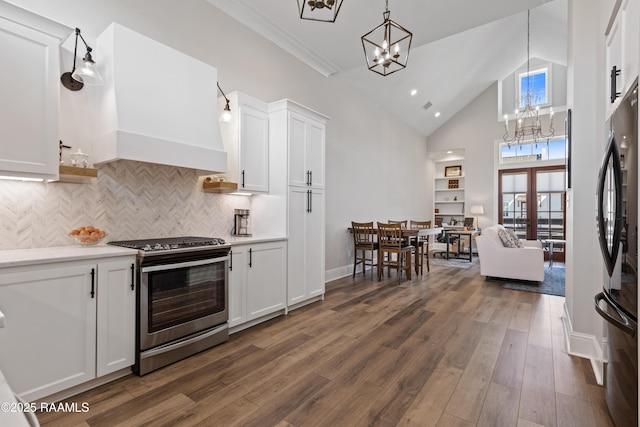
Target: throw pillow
point(515, 237)
point(509, 238)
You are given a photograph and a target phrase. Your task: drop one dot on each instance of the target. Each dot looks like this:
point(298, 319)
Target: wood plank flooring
point(445, 349)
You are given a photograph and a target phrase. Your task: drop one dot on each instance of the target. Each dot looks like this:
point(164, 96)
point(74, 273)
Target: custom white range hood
point(157, 105)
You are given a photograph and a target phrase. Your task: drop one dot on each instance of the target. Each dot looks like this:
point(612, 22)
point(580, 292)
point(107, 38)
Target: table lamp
point(477, 210)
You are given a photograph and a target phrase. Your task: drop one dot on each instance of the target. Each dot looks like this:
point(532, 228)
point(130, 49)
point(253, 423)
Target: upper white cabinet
point(79, 315)
point(622, 51)
point(246, 141)
point(305, 133)
point(29, 93)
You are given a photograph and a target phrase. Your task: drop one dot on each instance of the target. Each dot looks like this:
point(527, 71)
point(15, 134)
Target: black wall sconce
point(226, 113)
point(86, 74)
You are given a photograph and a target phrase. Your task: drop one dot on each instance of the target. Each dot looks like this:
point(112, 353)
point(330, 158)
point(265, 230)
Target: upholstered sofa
point(496, 260)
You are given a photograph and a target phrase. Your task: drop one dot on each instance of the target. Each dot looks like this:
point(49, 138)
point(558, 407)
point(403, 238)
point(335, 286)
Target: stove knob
point(147, 247)
point(166, 247)
point(157, 247)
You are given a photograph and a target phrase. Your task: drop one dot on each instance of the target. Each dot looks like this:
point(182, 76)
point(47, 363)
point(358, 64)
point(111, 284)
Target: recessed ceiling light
point(413, 92)
point(449, 152)
point(437, 114)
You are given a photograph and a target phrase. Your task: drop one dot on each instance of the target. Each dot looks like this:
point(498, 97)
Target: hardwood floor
point(446, 349)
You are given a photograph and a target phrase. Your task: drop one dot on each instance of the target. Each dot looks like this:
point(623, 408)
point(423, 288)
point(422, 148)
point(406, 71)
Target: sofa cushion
point(509, 238)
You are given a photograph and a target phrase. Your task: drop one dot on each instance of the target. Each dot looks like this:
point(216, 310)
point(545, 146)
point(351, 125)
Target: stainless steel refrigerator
point(617, 220)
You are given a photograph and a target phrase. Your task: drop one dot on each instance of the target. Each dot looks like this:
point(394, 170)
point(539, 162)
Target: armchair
point(496, 260)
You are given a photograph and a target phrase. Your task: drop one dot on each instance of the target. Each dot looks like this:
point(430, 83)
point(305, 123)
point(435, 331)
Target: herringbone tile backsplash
point(130, 200)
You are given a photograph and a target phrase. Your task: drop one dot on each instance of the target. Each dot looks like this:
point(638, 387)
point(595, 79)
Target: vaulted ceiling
point(459, 47)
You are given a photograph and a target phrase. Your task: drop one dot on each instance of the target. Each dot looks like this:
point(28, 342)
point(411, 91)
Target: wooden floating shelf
point(76, 175)
point(219, 187)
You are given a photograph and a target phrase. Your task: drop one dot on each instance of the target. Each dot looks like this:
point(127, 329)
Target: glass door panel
point(550, 214)
point(514, 196)
point(532, 203)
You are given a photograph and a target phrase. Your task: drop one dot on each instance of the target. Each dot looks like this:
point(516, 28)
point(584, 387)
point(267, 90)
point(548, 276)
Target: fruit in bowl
point(87, 235)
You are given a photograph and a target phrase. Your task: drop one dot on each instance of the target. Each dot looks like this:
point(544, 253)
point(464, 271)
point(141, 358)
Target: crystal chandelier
point(319, 10)
point(386, 47)
point(528, 126)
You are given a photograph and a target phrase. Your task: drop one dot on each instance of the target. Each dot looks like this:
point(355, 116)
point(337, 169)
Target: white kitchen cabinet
point(297, 159)
point(622, 51)
point(306, 275)
point(246, 141)
point(303, 130)
point(66, 324)
point(116, 313)
point(257, 283)
point(29, 84)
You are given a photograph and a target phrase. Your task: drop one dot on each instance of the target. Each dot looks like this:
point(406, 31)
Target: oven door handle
point(164, 267)
point(182, 343)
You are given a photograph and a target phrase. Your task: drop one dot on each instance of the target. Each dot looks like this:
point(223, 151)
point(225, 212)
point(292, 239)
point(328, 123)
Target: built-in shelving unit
point(449, 190)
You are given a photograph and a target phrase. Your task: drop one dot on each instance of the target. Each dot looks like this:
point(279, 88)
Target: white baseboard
point(583, 345)
point(340, 272)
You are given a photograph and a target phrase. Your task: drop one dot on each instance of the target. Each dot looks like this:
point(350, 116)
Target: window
point(538, 83)
point(532, 151)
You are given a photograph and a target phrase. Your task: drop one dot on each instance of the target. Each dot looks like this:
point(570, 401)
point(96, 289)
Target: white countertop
point(20, 257)
point(240, 240)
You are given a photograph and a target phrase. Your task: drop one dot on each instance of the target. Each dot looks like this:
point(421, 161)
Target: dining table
point(415, 233)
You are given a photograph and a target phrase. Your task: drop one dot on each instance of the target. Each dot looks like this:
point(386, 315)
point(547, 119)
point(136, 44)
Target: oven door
point(181, 298)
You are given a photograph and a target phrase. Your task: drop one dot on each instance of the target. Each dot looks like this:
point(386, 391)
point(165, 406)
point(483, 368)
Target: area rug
point(553, 283)
point(452, 262)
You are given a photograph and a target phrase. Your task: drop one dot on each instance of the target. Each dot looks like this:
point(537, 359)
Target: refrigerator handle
point(623, 325)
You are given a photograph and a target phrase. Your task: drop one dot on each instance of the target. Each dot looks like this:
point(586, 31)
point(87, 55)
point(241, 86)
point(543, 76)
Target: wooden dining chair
point(391, 243)
point(403, 223)
point(364, 244)
point(421, 242)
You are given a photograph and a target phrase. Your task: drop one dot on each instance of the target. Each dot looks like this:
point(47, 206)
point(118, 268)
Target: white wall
point(375, 164)
point(586, 97)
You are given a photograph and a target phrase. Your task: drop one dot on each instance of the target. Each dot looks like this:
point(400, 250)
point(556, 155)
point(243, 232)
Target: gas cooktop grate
point(174, 242)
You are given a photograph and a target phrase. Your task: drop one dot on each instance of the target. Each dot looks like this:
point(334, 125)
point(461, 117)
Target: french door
point(532, 203)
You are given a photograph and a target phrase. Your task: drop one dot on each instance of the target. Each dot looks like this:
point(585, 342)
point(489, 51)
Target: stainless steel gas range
point(182, 298)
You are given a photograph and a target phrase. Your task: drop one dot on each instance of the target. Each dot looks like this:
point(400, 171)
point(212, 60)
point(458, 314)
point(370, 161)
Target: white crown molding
point(244, 12)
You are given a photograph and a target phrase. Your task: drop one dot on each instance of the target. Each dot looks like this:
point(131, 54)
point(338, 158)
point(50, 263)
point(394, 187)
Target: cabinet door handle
point(133, 277)
point(230, 260)
point(614, 74)
point(242, 178)
point(310, 201)
point(310, 177)
point(250, 257)
point(93, 283)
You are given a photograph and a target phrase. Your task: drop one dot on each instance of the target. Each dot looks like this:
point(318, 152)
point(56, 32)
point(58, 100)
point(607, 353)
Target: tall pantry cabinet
point(297, 172)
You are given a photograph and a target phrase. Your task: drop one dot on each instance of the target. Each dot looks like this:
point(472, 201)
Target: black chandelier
point(319, 10)
point(386, 47)
point(527, 123)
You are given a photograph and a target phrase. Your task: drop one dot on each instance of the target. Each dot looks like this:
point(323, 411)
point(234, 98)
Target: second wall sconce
point(86, 74)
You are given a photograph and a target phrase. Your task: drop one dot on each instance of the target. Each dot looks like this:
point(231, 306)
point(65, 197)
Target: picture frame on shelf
point(453, 171)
